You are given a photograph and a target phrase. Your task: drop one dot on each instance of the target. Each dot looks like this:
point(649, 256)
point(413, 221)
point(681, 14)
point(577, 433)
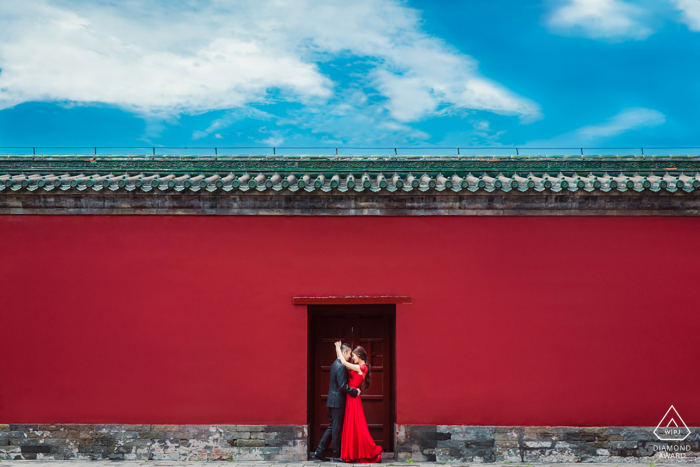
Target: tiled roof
point(344, 174)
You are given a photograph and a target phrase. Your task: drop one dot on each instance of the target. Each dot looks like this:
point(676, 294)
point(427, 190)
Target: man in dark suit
point(336, 406)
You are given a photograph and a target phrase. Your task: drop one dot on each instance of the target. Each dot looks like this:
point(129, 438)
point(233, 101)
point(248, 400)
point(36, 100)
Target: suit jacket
point(339, 386)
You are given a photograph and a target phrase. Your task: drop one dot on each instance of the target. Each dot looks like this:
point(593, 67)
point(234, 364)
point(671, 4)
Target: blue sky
point(553, 73)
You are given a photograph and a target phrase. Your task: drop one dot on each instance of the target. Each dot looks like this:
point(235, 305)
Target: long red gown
point(357, 445)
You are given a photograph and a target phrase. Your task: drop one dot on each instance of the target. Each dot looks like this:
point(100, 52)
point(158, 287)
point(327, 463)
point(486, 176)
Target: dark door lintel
point(353, 300)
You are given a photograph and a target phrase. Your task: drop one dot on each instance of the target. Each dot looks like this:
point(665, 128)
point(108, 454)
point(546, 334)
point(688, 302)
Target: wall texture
point(154, 442)
point(556, 321)
point(542, 444)
point(285, 443)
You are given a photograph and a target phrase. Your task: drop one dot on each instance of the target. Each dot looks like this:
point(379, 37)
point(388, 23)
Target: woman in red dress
point(357, 446)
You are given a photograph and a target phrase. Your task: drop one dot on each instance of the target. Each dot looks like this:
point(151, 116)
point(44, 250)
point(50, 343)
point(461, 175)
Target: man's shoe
point(338, 459)
point(319, 456)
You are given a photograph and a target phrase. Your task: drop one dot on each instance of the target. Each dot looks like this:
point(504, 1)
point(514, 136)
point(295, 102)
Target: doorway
point(374, 328)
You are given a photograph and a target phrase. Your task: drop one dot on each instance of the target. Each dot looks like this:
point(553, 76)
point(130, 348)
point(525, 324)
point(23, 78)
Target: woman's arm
point(347, 364)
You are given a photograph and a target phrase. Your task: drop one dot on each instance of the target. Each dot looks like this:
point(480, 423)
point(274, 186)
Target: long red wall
point(514, 321)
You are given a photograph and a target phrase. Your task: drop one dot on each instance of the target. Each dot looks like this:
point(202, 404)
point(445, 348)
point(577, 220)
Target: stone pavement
point(386, 462)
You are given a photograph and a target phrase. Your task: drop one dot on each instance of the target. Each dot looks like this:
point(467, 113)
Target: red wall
point(533, 321)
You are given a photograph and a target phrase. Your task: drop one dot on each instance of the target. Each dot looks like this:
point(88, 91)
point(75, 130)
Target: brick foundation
point(154, 442)
point(515, 444)
point(419, 443)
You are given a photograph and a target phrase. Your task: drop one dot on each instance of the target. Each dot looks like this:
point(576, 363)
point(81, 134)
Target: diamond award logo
point(672, 427)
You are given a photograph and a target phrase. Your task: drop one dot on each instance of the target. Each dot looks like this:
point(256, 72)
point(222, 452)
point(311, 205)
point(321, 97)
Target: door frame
point(317, 308)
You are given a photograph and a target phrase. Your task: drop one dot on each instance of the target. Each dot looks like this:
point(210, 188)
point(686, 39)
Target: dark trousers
point(335, 430)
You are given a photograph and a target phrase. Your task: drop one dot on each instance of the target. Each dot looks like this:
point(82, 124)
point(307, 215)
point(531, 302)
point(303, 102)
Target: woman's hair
point(362, 354)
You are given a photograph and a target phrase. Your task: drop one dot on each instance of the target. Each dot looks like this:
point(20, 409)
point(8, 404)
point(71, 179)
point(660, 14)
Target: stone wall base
point(286, 443)
point(154, 442)
point(516, 444)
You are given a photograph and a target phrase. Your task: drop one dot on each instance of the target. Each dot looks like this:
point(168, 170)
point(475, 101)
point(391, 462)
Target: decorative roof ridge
point(355, 173)
point(349, 181)
point(311, 157)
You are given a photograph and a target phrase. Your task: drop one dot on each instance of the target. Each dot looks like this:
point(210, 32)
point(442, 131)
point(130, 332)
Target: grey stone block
point(249, 428)
point(452, 443)
point(276, 443)
point(420, 428)
point(165, 427)
point(278, 428)
point(108, 428)
point(10, 449)
point(270, 451)
point(506, 436)
point(136, 442)
point(236, 435)
point(56, 442)
point(250, 443)
point(104, 442)
point(24, 427)
point(639, 434)
point(622, 444)
point(151, 435)
point(137, 427)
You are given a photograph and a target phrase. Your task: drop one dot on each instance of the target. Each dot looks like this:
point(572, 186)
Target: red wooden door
point(372, 327)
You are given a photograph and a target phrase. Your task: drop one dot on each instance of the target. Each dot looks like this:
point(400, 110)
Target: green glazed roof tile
point(351, 173)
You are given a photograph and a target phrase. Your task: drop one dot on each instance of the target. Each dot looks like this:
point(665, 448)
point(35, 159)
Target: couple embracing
point(348, 426)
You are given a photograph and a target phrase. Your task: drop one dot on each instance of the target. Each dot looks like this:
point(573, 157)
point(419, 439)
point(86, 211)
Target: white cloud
point(171, 57)
point(600, 19)
point(85, 54)
point(690, 11)
point(629, 119)
point(273, 140)
point(353, 119)
point(635, 118)
point(229, 118)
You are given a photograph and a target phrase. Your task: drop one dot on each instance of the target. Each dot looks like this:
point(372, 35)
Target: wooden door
point(372, 327)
